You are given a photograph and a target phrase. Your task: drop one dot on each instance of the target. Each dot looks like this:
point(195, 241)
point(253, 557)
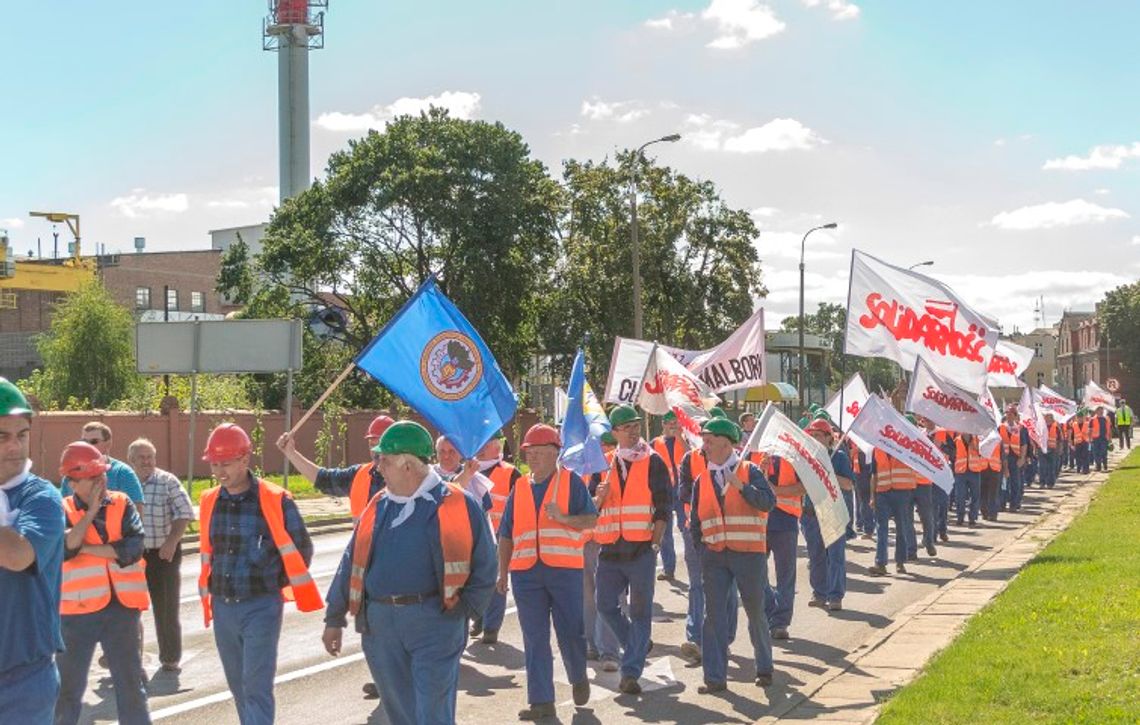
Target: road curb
point(321, 527)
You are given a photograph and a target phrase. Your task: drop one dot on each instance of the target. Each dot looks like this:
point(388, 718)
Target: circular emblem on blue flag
point(451, 365)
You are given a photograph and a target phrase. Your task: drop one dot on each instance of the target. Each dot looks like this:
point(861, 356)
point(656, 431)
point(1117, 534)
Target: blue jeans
point(723, 572)
point(780, 602)
point(28, 693)
point(1082, 457)
point(924, 502)
point(413, 654)
point(864, 516)
point(247, 634)
point(897, 505)
point(941, 508)
point(668, 548)
point(968, 485)
point(827, 567)
point(117, 628)
point(599, 636)
point(542, 594)
point(1100, 453)
point(991, 493)
point(1048, 468)
point(1015, 484)
point(615, 578)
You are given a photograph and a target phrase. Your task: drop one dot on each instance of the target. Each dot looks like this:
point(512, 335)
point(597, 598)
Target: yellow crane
point(67, 275)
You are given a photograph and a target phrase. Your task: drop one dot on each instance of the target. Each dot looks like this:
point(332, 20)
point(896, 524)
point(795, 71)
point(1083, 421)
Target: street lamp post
point(927, 263)
point(637, 329)
point(803, 241)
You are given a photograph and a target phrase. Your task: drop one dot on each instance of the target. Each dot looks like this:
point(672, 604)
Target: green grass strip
point(1061, 644)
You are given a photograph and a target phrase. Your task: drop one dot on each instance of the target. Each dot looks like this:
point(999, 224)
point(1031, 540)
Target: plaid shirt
point(166, 502)
point(246, 563)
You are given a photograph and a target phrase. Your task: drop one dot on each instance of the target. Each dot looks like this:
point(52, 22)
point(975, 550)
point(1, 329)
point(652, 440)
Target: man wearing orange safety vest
point(925, 498)
point(968, 466)
point(420, 563)
point(540, 545)
point(670, 445)
point(255, 553)
point(1049, 458)
point(1015, 443)
point(104, 588)
point(503, 477)
point(728, 518)
point(633, 508)
point(892, 498)
point(1079, 430)
point(783, 540)
point(1100, 435)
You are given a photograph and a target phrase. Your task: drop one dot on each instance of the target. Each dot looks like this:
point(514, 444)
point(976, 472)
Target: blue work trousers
point(897, 505)
point(924, 502)
point(599, 636)
point(941, 508)
point(614, 579)
point(28, 693)
point(668, 548)
point(116, 628)
point(827, 566)
point(967, 487)
point(864, 516)
point(1083, 457)
point(694, 621)
point(780, 600)
point(544, 594)
point(1048, 461)
point(413, 654)
point(247, 633)
point(492, 619)
point(1015, 484)
point(1100, 453)
point(724, 571)
point(991, 494)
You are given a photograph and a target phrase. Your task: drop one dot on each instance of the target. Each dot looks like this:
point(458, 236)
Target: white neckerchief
point(640, 450)
point(723, 469)
point(485, 466)
point(408, 503)
point(447, 475)
point(8, 515)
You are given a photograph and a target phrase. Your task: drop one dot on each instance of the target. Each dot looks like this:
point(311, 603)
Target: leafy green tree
point(1119, 313)
point(829, 321)
point(88, 352)
point(699, 266)
point(236, 277)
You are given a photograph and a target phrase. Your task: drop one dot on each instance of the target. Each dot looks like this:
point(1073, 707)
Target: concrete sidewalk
point(853, 692)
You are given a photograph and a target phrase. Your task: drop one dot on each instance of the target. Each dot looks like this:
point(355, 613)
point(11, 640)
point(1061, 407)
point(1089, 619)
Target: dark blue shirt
point(338, 481)
point(246, 562)
point(128, 549)
point(580, 503)
point(29, 599)
point(757, 494)
point(661, 496)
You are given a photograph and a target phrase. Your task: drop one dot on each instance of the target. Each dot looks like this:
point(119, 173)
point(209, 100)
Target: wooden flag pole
point(328, 391)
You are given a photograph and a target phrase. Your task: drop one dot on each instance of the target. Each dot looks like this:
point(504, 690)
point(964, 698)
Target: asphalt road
point(313, 687)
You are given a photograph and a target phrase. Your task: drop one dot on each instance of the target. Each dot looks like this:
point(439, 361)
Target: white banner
point(854, 395)
point(884, 427)
point(1051, 401)
point(987, 400)
point(736, 363)
point(902, 315)
point(776, 435)
point(669, 386)
point(987, 445)
point(1033, 420)
point(1098, 397)
point(1008, 364)
point(945, 403)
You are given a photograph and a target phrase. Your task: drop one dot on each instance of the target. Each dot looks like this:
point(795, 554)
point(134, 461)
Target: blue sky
point(997, 139)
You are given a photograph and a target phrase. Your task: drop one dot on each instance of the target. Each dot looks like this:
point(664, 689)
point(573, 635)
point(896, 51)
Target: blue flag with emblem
point(434, 360)
point(584, 425)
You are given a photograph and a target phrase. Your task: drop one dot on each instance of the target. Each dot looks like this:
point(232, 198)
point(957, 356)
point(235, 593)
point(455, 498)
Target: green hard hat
point(814, 407)
point(821, 415)
point(406, 436)
point(623, 414)
point(911, 419)
point(718, 412)
point(669, 417)
point(722, 427)
point(12, 401)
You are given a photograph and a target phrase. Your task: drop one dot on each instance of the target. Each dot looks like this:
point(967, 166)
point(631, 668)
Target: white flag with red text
point(1049, 400)
point(1098, 397)
point(901, 315)
point(776, 435)
point(853, 396)
point(1033, 419)
point(887, 430)
point(669, 386)
point(945, 403)
point(1008, 363)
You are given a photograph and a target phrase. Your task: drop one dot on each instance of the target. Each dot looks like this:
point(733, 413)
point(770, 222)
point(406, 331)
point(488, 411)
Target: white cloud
point(1056, 214)
point(779, 134)
point(740, 22)
point(1099, 157)
point(596, 109)
point(1101, 192)
point(1136, 240)
point(11, 223)
point(140, 203)
point(246, 197)
point(669, 21)
point(461, 104)
point(764, 211)
point(840, 9)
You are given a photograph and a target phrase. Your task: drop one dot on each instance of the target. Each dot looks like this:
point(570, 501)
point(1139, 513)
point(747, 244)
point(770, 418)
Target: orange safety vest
point(455, 537)
point(628, 513)
point(739, 527)
point(968, 457)
point(1080, 432)
point(1011, 440)
point(556, 544)
point(358, 493)
point(791, 503)
point(1095, 427)
point(893, 474)
point(88, 579)
point(1053, 435)
point(853, 454)
point(271, 498)
point(501, 476)
point(672, 457)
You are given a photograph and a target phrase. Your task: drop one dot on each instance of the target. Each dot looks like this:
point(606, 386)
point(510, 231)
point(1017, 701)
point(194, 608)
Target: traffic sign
point(1113, 385)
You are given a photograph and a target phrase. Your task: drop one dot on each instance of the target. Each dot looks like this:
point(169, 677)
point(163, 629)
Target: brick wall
point(18, 326)
point(186, 272)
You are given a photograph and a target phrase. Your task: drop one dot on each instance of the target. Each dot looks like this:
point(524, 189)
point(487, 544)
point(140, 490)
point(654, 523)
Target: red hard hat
point(226, 442)
point(541, 434)
point(378, 425)
point(819, 425)
point(82, 460)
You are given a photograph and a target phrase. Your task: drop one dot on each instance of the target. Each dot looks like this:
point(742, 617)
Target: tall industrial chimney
point(292, 29)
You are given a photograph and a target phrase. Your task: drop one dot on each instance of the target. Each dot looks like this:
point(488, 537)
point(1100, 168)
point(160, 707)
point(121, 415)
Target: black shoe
point(592, 654)
point(930, 550)
point(581, 692)
point(973, 524)
point(835, 606)
point(490, 636)
point(900, 569)
point(370, 691)
point(817, 602)
point(943, 537)
point(877, 570)
point(649, 648)
point(764, 680)
point(665, 577)
point(476, 629)
point(710, 688)
point(629, 686)
point(779, 632)
point(912, 557)
point(538, 711)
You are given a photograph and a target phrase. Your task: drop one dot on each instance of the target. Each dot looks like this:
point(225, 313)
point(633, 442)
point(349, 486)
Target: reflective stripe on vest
point(740, 527)
point(358, 493)
point(542, 538)
point(455, 537)
point(628, 513)
point(786, 501)
point(968, 457)
point(89, 580)
point(501, 476)
point(893, 474)
point(271, 500)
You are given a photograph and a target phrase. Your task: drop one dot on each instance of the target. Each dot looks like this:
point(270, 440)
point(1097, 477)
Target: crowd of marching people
point(439, 542)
